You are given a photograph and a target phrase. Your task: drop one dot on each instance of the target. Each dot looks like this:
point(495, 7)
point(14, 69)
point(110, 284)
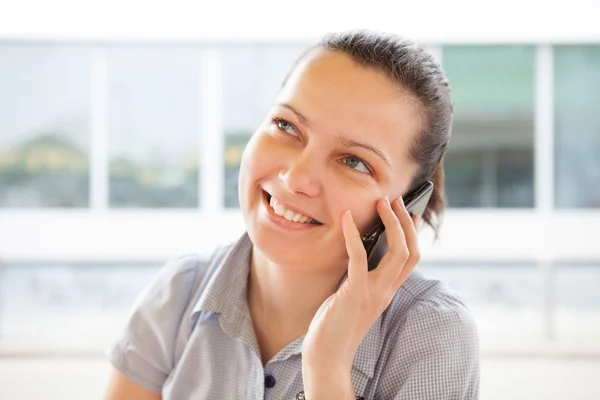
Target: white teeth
point(289, 215)
point(280, 210)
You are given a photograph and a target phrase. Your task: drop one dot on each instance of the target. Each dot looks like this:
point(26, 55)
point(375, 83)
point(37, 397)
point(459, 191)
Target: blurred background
point(122, 127)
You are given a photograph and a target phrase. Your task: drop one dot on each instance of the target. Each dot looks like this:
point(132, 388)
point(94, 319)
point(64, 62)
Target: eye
point(285, 126)
point(357, 164)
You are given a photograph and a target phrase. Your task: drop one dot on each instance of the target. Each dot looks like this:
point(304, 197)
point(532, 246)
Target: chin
point(281, 250)
point(285, 251)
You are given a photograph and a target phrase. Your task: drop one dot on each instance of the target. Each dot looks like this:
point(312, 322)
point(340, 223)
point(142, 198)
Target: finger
point(397, 251)
point(408, 224)
point(357, 264)
point(416, 219)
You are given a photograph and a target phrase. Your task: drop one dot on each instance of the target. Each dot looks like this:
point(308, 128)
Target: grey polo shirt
point(190, 336)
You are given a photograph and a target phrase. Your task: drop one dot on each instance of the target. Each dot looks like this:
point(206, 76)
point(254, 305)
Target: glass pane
point(44, 125)
point(153, 103)
point(577, 126)
point(490, 158)
point(252, 76)
point(505, 300)
point(578, 303)
point(44, 304)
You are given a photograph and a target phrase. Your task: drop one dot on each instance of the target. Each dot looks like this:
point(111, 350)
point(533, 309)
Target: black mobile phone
point(374, 241)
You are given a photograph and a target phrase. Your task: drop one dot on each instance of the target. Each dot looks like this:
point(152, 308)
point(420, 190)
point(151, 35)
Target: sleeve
point(435, 356)
point(144, 350)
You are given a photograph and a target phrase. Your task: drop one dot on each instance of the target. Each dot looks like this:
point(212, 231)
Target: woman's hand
point(344, 319)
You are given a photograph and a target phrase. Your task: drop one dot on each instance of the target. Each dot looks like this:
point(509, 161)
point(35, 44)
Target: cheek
point(254, 157)
point(361, 204)
point(249, 174)
point(247, 162)
point(366, 217)
point(263, 158)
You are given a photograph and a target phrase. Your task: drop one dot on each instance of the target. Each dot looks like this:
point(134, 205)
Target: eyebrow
point(342, 139)
point(349, 143)
point(300, 116)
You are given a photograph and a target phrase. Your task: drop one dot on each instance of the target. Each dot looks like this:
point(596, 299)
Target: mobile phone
point(374, 241)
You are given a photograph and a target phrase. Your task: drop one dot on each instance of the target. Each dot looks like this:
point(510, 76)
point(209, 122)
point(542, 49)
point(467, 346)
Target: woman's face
point(337, 138)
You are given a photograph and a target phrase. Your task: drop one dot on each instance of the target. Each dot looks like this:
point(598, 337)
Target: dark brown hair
point(414, 70)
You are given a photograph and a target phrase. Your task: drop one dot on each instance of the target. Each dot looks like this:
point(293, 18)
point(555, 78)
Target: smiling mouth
point(311, 222)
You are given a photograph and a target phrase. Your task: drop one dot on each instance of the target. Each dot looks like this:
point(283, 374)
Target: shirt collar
point(226, 288)
point(225, 294)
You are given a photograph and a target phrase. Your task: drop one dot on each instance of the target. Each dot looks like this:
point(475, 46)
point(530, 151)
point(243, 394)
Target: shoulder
point(177, 270)
point(428, 316)
point(423, 302)
point(146, 349)
point(431, 344)
point(182, 274)
point(172, 284)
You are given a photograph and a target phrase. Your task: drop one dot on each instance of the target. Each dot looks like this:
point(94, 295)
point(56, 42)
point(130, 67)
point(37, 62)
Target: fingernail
point(387, 201)
point(400, 201)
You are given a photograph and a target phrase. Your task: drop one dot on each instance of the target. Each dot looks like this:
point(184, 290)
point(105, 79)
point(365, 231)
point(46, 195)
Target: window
point(504, 298)
point(252, 76)
point(577, 302)
point(44, 125)
point(153, 103)
point(490, 158)
point(86, 302)
point(577, 126)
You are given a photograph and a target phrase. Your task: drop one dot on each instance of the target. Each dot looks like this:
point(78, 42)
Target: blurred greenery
point(44, 171)
point(235, 142)
point(153, 186)
point(49, 170)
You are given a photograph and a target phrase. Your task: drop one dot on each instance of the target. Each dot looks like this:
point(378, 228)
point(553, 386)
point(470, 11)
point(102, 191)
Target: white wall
point(433, 21)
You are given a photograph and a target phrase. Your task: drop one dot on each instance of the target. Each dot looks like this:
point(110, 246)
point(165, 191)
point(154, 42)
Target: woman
point(291, 311)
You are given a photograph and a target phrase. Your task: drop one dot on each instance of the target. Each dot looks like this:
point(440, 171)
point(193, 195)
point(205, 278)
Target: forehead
point(340, 97)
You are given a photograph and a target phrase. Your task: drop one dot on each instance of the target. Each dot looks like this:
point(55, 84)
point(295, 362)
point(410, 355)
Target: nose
point(301, 175)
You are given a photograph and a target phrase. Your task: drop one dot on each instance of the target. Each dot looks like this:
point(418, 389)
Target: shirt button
point(269, 381)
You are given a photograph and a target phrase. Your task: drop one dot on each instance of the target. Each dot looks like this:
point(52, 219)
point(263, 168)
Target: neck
point(286, 298)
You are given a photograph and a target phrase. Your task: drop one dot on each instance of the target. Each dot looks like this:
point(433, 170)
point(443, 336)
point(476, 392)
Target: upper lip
point(292, 208)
